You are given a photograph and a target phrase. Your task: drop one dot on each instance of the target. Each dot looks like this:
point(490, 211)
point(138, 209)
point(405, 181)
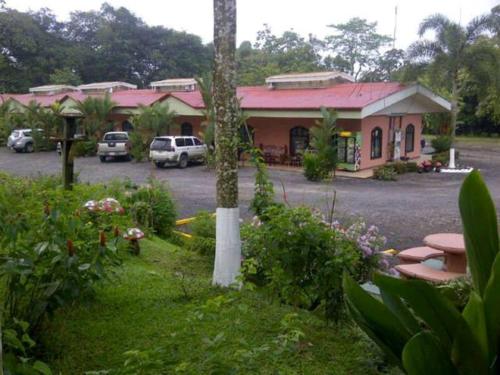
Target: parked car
point(115, 145)
point(21, 140)
point(176, 150)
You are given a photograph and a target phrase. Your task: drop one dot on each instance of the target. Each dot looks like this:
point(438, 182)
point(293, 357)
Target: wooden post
point(67, 159)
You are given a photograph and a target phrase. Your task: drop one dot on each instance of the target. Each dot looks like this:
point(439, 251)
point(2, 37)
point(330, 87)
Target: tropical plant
point(450, 53)
point(322, 140)
point(420, 328)
point(205, 85)
point(156, 120)
point(442, 143)
point(385, 173)
point(314, 169)
point(263, 197)
point(95, 111)
point(203, 230)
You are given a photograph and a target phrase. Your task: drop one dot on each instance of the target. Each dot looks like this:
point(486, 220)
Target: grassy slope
point(146, 308)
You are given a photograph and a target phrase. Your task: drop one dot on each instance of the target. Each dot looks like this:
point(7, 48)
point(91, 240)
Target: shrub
point(400, 167)
point(156, 196)
point(300, 258)
point(385, 173)
point(444, 157)
point(84, 148)
point(314, 168)
point(263, 190)
point(203, 230)
point(138, 148)
point(411, 167)
point(442, 143)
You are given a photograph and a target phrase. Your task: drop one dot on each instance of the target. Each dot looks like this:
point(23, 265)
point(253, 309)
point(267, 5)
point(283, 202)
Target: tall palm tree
point(157, 119)
point(228, 244)
point(448, 53)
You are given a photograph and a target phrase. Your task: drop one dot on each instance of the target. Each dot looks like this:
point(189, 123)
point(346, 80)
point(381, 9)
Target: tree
point(449, 54)
point(157, 119)
point(274, 54)
point(65, 76)
point(356, 46)
point(386, 66)
point(322, 139)
point(95, 112)
point(228, 245)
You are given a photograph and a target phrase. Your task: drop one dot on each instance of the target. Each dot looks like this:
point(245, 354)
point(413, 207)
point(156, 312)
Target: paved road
point(405, 211)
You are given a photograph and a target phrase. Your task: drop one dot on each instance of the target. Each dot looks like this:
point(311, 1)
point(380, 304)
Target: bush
point(300, 258)
point(314, 168)
point(203, 230)
point(84, 148)
point(385, 173)
point(263, 197)
point(442, 143)
point(161, 218)
point(138, 148)
point(400, 167)
point(411, 167)
point(444, 157)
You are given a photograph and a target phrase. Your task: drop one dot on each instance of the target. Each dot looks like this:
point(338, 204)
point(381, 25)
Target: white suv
point(176, 150)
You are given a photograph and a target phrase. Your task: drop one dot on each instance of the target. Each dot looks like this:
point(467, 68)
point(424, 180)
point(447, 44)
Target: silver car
point(176, 150)
point(21, 140)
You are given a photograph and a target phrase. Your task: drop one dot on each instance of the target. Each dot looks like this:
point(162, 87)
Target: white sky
point(304, 16)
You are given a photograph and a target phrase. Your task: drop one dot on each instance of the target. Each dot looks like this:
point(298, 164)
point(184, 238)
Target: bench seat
point(418, 254)
point(424, 272)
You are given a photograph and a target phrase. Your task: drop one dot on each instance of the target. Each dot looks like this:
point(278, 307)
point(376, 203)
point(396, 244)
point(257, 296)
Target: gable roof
point(341, 96)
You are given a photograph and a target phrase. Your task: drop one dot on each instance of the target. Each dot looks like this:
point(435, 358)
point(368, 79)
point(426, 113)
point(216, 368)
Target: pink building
point(380, 121)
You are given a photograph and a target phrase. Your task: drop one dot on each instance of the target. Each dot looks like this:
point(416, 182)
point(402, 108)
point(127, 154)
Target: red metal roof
point(126, 98)
point(340, 96)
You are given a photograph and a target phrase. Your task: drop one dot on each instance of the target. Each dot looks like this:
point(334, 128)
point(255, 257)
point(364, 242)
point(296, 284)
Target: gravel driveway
point(405, 210)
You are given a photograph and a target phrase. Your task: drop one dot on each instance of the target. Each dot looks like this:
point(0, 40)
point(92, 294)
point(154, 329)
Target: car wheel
point(102, 159)
point(183, 161)
point(159, 164)
point(28, 147)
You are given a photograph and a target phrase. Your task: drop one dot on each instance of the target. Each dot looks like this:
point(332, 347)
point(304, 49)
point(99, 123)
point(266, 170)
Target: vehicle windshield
point(161, 144)
point(116, 137)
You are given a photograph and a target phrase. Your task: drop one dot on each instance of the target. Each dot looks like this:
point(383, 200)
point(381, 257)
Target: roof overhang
point(414, 99)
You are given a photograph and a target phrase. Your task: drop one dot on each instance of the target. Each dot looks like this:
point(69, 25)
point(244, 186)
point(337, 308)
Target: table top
point(448, 242)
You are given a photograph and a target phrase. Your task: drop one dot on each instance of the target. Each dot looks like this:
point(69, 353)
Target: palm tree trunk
point(228, 246)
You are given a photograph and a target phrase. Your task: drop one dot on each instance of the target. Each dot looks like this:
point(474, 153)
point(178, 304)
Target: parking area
point(405, 210)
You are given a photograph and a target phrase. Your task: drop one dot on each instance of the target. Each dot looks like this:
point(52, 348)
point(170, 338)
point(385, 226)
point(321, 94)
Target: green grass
point(163, 301)
point(470, 140)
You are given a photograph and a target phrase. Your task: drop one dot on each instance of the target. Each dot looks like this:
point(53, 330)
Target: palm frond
point(424, 49)
point(436, 22)
point(477, 26)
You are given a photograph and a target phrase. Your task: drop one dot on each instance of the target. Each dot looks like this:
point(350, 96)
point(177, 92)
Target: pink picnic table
point(454, 246)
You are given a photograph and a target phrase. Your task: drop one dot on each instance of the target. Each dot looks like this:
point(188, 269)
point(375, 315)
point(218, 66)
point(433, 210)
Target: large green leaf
point(376, 319)
point(480, 228)
point(475, 318)
point(491, 303)
point(427, 303)
point(404, 314)
point(423, 355)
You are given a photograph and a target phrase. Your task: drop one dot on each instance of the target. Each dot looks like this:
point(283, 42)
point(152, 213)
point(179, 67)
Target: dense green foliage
point(314, 169)
point(110, 44)
point(203, 231)
point(385, 173)
point(423, 330)
point(263, 196)
point(300, 257)
point(442, 143)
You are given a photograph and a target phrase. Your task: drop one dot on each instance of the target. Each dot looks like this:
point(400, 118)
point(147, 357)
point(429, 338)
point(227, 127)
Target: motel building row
point(380, 121)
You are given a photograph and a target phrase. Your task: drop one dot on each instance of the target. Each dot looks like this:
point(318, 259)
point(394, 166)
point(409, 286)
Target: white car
point(21, 140)
point(176, 150)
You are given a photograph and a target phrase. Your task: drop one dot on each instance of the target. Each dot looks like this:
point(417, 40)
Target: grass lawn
point(161, 306)
point(470, 140)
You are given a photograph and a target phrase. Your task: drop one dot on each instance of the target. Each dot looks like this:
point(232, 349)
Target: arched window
point(376, 143)
point(186, 129)
point(299, 140)
point(127, 126)
point(410, 138)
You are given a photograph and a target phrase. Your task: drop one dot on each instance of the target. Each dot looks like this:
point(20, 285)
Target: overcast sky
point(304, 16)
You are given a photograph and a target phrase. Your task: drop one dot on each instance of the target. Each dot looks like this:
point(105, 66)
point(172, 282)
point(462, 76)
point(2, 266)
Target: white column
point(228, 246)
point(451, 164)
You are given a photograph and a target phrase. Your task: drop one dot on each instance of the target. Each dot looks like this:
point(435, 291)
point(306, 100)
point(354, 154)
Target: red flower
point(71, 249)
point(102, 238)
